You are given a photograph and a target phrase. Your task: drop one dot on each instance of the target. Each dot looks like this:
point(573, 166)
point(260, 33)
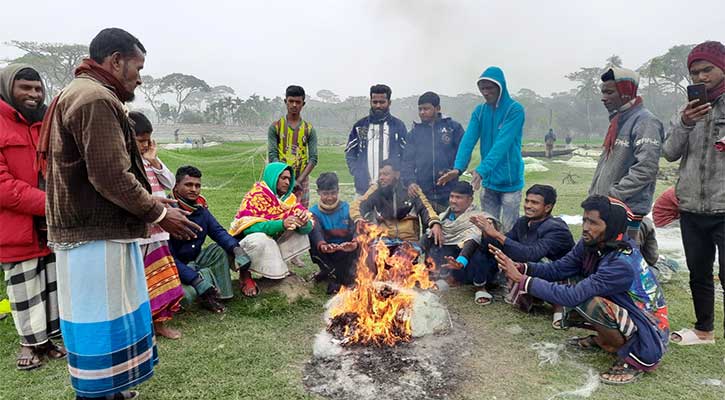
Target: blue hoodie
point(500, 129)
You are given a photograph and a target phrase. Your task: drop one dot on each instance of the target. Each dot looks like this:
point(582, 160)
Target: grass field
point(257, 349)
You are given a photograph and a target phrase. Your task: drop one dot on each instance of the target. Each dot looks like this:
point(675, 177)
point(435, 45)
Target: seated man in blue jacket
point(331, 244)
point(205, 270)
point(430, 150)
point(611, 290)
point(537, 236)
point(534, 237)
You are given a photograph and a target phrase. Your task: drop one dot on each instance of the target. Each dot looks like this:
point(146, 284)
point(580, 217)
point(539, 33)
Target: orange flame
point(381, 300)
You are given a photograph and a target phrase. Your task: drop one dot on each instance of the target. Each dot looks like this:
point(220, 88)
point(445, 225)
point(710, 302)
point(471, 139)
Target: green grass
point(257, 349)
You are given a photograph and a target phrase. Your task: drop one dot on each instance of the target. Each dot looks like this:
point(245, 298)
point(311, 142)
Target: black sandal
point(620, 368)
point(586, 343)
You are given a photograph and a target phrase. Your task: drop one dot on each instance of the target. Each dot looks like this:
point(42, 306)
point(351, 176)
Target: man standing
point(373, 139)
point(549, 140)
point(27, 264)
point(627, 168)
point(293, 141)
point(691, 138)
point(498, 124)
point(430, 151)
point(99, 203)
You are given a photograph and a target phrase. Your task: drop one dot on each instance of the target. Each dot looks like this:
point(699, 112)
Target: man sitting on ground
point(388, 205)
point(616, 294)
point(332, 247)
point(272, 225)
point(537, 236)
point(456, 226)
point(206, 270)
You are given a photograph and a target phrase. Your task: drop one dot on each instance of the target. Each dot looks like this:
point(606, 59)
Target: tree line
point(185, 98)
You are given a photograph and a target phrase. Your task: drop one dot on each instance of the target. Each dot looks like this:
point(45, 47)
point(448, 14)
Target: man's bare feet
point(164, 330)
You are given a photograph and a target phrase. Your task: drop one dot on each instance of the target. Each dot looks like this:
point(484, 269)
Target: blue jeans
point(504, 206)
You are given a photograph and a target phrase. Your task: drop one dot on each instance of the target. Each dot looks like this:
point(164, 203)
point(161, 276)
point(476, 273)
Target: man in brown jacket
point(98, 203)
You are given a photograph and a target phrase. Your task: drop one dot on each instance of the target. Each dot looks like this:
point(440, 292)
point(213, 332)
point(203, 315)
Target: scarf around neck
point(188, 205)
point(613, 130)
point(94, 70)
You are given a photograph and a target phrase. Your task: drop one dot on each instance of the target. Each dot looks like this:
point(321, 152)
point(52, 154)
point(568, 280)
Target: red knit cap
point(711, 51)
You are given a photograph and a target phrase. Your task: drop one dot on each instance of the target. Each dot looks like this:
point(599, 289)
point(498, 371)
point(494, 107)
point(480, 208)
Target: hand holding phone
point(698, 105)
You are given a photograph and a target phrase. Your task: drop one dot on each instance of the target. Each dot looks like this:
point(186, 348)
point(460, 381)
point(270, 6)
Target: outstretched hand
point(437, 234)
point(451, 263)
point(505, 264)
point(447, 177)
point(413, 190)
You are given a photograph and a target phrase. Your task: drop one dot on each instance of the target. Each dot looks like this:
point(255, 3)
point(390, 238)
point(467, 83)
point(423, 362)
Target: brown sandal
point(28, 361)
point(53, 351)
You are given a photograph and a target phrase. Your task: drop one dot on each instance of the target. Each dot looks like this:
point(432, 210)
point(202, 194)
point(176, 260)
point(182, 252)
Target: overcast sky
point(347, 45)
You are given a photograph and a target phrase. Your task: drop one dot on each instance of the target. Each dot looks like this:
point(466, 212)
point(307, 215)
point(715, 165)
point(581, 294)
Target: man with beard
point(99, 203)
point(26, 260)
point(389, 205)
point(611, 291)
point(627, 168)
point(373, 139)
point(692, 138)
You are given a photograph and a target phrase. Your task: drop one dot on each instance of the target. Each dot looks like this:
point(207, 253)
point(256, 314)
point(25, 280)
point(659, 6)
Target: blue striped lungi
point(105, 317)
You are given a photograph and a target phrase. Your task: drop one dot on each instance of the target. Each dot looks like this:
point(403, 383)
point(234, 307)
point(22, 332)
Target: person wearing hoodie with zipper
point(430, 151)
point(25, 259)
point(498, 123)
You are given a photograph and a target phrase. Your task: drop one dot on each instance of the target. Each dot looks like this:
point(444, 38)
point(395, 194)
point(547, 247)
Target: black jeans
point(701, 234)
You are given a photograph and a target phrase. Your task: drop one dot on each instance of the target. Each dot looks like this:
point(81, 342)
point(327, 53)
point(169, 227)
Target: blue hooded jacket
point(500, 129)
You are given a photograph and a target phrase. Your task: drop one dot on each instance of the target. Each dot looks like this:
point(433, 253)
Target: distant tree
point(588, 79)
point(152, 90)
point(182, 86)
point(614, 61)
point(203, 98)
point(56, 62)
point(328, 96)
point(167, 113)
point(669, 71)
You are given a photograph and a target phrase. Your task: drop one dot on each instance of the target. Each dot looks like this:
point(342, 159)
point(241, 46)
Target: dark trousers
point(481, 269)
point(701, 234)
point(340, 264)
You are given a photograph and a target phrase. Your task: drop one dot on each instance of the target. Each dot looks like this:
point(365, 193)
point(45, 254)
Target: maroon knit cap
point(711, 51)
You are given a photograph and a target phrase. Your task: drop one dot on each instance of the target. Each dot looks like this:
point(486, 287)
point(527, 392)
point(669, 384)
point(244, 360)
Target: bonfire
point(377, 310)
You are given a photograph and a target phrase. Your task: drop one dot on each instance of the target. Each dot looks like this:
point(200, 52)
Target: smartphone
point(697, 92)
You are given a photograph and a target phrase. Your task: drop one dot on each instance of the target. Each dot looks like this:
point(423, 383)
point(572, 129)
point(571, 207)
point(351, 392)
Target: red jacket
point(20, 198)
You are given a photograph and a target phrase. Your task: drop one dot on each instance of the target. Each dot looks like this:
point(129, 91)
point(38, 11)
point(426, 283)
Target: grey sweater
point(629, 173)
point(701, 185)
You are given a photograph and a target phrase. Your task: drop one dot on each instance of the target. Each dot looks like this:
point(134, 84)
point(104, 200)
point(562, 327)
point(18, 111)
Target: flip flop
point(248, 283)
point(33, 359)
point(483, 298)
point(688, 337)
point(53, 351)
point(586, 343)
point(620, 368)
